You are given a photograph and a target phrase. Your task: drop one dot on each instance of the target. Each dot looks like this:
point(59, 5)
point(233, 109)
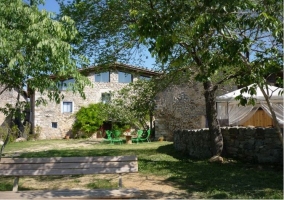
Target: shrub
point(34, 136)
point(3, 132)
point(27, 130)
point(15, 132)
point(5, 129)
point(121, 127)
point(89, 120)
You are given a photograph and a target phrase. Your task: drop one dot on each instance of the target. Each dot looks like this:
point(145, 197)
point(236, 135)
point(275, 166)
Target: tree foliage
point(34, 47)
point(138, 99)
point(104, 32)
point(213, 36)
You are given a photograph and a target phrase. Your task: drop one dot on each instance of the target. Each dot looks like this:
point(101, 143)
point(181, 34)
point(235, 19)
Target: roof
point(273, 93)
point(120, 66)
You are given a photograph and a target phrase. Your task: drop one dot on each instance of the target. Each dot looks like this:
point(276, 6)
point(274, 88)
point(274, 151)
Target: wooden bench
point(70, 166)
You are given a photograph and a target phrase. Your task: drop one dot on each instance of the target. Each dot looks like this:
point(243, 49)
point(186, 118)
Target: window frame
point(102, 75)
point(108, 96)
point(65, 85)
point(63, 107)
point(54, 125)
point(146, 78)
point(120, 80)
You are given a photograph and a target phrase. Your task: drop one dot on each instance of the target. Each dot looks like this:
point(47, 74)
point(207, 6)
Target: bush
point(89, 120)
point(4, 130)
point(121, 127)
point(27, 130)
point(32, 137)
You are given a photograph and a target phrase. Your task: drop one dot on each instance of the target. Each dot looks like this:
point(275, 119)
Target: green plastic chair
point(147, 138)
point(139, 135)
point(116, 136)
point(109, 136)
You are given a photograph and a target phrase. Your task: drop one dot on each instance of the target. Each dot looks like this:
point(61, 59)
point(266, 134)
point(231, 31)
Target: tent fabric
point(273, 93)
point(230, 112)
point(239, 115)
point(278, 109)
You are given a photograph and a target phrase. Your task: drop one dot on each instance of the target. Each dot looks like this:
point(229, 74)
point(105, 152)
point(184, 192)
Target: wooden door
point(260, 118)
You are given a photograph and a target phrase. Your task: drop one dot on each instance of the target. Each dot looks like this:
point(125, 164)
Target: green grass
point(232, 180)
point(101, 183)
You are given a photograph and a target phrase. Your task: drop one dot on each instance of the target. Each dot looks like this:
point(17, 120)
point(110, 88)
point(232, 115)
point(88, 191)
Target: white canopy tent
point(229, 112)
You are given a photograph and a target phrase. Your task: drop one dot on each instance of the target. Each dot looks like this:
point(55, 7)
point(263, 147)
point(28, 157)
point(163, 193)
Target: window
point(54, 124)
point(102, 77)
point(67, 107)
point(124, 77)
point(64, 85)
point(144, 78)
point(106, 97)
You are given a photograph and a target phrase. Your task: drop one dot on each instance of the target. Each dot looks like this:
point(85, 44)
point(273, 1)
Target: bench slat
point(68, 171)
point(70, 159)
point(72, 194)
point(46, 166)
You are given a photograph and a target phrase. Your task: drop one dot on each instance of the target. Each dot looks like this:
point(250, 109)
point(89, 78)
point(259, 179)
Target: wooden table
point(128, 139)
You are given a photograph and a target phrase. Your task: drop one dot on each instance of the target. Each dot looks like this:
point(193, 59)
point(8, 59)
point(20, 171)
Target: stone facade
point(8, 97)
point(181, 107)
point(53, 123)
point(258, 145)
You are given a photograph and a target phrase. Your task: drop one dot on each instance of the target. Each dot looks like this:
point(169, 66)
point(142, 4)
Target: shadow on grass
point(224, 180)
point(209, 180)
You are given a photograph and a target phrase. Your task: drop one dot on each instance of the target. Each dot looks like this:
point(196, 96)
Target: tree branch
point(4, 90)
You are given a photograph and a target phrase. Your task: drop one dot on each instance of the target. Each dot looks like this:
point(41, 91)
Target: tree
point(138, 98)
point(34, 47)
point(211, 35)
point(261, 51)
point(203, 37)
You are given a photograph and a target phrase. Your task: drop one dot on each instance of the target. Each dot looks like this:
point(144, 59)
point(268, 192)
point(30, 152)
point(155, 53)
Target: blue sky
point(52, 6)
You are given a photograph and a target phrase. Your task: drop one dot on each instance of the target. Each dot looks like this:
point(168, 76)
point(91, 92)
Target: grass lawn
point(209, 180)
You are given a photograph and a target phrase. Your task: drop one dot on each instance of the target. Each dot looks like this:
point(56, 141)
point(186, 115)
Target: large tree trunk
point(213, 124)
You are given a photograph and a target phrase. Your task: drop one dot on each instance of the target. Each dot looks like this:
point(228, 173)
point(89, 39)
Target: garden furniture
point(147, 138)
point(116, 136)
point(139, 135)
point(109, 136)
point(55, 166)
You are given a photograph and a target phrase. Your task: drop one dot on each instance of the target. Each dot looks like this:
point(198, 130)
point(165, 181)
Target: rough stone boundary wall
point(257, 145)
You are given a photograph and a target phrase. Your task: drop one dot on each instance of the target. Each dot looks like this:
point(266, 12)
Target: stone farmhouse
point(54, 121)
point(178, 107)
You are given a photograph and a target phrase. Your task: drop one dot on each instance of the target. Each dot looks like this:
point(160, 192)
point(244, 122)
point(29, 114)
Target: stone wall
point(259, 145)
